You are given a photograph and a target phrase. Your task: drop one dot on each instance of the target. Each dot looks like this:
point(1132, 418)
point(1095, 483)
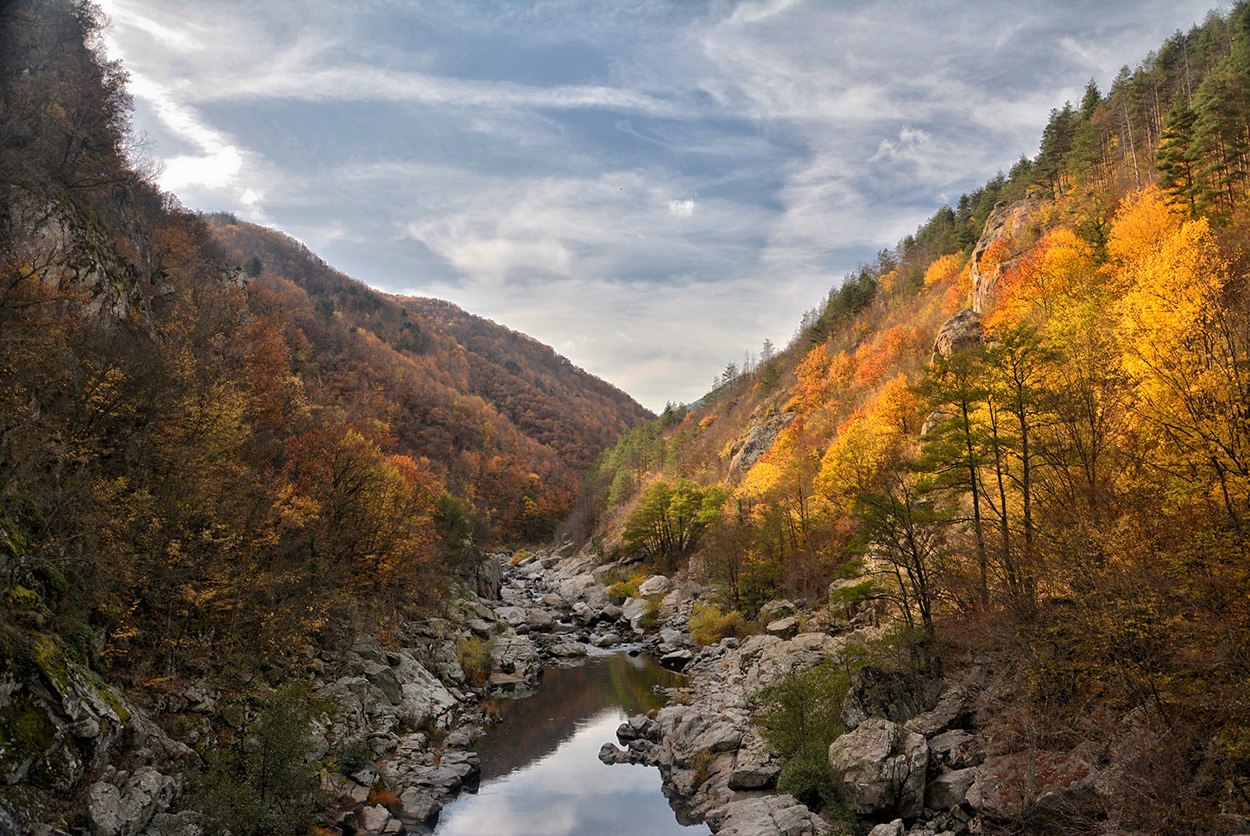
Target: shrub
point(708, 624)
point(260, 781)
point(475, 659)
point(799, 715)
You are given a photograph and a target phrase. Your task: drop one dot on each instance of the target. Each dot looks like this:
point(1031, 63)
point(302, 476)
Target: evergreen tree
point(1176, 157)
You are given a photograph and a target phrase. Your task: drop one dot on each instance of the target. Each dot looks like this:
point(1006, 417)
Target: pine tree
point(1176, 158)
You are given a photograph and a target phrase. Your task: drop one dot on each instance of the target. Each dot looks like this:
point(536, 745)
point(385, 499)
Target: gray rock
point(654, 585)
point(373, 819)
point(778, 608)
point(691, 733)
point(419, 808)
point(950, 712)
point(567, 650)
point(775, 815)
point(879, 769)
point(126, 810)
point(512, 616)
point(540, 619)
point(384, 678)
point(952, 748)
point(758, 441)
point(949, 789)
point(756, 777)
point(606, 640)
point(677, 659)
point(638, 727)
point(894, 828)
point(962, 332)
point(786, 627)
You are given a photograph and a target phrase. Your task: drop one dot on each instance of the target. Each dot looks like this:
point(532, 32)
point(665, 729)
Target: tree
point(1177, 157)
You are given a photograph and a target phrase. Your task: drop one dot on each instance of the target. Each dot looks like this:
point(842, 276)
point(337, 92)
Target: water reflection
point(541, 775)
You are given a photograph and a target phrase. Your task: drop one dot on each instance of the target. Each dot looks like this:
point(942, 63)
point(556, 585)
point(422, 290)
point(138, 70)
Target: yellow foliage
point(944, 270)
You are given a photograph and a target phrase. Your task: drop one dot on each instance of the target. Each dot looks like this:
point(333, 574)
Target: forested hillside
point(214, 448)
point(1023, 431)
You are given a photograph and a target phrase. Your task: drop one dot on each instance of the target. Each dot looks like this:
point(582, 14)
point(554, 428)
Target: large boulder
point(654, 585)
point(689, 733)
point(774, 815)
point(949, 789)
point(962, 332)
point(127, 810)
point(879, 769)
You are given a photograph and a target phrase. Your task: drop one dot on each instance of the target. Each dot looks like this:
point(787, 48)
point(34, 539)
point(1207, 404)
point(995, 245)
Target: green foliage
point(668, 519)
point(260, 782)
point(708, 625)
point(799, 716)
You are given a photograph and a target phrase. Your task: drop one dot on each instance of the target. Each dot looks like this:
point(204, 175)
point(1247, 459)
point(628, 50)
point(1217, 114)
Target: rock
point(758, 441)
point(512, 616)
point(689, 733)
point(419, 808)
point(894, 828)
point(611, 613)
point(950, 712)
point(164, 824)
point(775, 815)
point(1042, 787)
point(384, 678)
point(779, 608)
point(633, 611)
point(654, 585)
point(1005, 223)
point(888, 695)
point(677, 660)
point(539, 619)
point(488, 579)
point(786, 627)
point(962, 332)
point(584, 614)
point(373, 819)
point(952, 748)
point(127, 810)
point(949, 788)
point(638, 727)
point(567, 650)
point(606, 640)
point(759, 777)
point(879, 769)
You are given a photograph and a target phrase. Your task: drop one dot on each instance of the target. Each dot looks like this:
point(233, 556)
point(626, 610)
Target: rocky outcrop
point(889, 695)
point(128, 809)
point(758, 441)
point(1004, 229)
point(963, 332)
point(779, 815)
point(879, 770)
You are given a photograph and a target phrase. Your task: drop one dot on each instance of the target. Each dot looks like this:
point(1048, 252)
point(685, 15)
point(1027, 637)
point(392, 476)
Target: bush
point(260, 782)
point(799, 715)
point(708, 625)
point(475, 660)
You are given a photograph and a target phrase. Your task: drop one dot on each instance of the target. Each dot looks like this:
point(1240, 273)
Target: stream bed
point(541, 775)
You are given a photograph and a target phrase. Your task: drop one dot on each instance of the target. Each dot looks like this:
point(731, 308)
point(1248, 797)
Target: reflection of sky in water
point(569, 793)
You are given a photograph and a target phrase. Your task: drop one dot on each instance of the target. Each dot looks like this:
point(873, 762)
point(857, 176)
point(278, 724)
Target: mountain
point(1021, 438)
point(502, 417)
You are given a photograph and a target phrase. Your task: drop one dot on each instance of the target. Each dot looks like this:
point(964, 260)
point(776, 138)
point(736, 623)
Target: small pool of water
point(541, 774)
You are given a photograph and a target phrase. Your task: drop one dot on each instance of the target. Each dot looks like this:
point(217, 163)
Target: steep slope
point(1022, 436)
point(512, 425)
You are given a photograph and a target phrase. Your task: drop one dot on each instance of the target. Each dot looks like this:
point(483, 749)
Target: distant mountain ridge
point(460, 385)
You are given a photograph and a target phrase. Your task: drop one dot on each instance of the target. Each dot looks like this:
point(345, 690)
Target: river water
point(541, 775)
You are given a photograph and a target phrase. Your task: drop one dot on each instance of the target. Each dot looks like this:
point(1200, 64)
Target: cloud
point(681, 208)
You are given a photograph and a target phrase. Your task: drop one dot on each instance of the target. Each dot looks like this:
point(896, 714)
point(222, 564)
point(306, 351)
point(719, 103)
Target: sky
point(652, 188)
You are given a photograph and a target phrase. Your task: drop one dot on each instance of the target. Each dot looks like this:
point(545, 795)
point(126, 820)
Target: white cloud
point(681, 208)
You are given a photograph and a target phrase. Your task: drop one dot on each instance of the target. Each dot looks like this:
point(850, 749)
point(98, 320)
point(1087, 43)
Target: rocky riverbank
point(395, 744)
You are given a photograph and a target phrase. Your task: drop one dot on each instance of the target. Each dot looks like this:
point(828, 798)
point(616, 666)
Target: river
point(541, 775)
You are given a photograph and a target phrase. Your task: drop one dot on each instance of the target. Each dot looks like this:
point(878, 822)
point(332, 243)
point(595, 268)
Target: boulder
point(385, 680)
point(676, 660)
point(754, 777)
point(779, 608)
point(373, 819)
point(127, 810)
point(654, 585)
point(962, 332)
point(539, 619)
point(897, 696)
point(879, 769)
point(952, 748)
point(894, 828)
point(638, 727)
point(786, 627)
point(567, 650)
point(512, 616)
point(689, 733)
point(419, 808)
point(949, 789)
point(1041, 787)
point(774, 815)
point(951, 712)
